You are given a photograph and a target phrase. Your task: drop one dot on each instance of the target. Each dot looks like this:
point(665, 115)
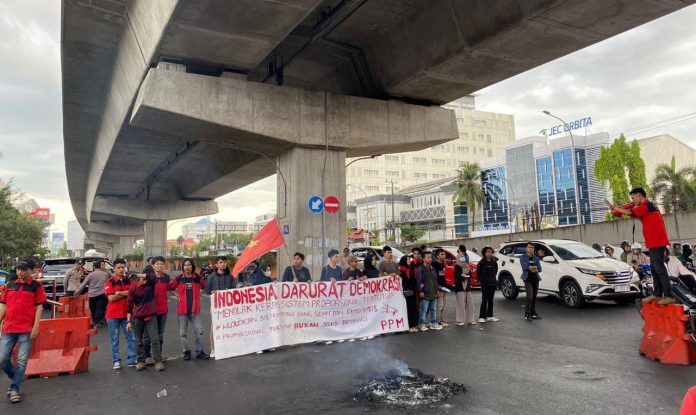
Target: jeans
point(7, 343)
point(161, 321)
point(149, 327)
point(441, 297)
point(661, 284)
point(195, 319)
point(532, 288)
point(97, 306)
point(116, 324)
point(487, 294)
point(428, 306)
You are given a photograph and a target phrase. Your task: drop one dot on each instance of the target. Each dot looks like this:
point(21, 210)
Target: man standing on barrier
point(656, 240)
point(116, 290)
point(142, 312)
point(20, 311)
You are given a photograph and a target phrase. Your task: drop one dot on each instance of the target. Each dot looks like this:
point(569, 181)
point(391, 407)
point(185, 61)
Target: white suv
point(570, 270)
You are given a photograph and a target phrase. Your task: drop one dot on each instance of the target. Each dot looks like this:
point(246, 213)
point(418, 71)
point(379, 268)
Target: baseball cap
point(26, 264)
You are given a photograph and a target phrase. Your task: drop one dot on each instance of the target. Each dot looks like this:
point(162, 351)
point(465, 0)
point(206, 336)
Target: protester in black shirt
point(487, 270)
point(370, 266)
point(410, 287)
point(440, 266)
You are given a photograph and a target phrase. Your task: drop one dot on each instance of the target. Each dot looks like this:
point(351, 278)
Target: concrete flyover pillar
point(155, 238)
point(126, 245)
point(306, 176)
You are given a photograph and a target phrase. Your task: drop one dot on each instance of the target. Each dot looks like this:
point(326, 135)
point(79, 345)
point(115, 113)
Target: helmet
point(636, 246)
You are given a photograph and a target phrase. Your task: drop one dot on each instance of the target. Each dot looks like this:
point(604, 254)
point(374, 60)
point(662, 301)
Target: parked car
point(360, 253)
point(474, 258)
point(571, 270)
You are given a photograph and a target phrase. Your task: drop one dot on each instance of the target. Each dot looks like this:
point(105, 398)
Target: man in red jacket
point(656, 240)
point(162, 285)
point(188, 287)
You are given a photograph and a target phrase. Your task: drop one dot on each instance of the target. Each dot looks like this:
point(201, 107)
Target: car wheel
point(508, 287)
point(572, 294)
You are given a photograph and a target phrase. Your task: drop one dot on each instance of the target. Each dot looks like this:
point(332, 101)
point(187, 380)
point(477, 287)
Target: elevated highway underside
point(174, 103)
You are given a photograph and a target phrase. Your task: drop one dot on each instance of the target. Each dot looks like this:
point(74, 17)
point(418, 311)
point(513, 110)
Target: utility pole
point(393, 230)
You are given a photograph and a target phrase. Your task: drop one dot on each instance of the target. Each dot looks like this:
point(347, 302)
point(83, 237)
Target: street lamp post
point(575, 169)
point(363, 158)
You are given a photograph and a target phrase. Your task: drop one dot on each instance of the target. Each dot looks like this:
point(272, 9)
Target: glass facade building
point(495, 205)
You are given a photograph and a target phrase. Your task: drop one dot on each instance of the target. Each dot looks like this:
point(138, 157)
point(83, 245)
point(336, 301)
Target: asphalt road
point(571, 362)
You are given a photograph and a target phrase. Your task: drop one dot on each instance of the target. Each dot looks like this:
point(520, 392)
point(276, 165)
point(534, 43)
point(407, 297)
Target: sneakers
point(492, 319)
point(413, 330)
point(536, 317)
point(149, 361)
point(528, 318)
point(340, 341)
point(461, 324)
point(482, 320)
point(117, 366)
point(187, 355)
point(667, 300)
point(202, 356)
point(651, 298)
point(435, 326)
point(132, 364)
point(443, 324)
point(14, 396)
point(212, 353)
point(328, 342)
point(159, 366)
point(423, 328)
point(473, 323)
point(259, 352)
point(140, 366)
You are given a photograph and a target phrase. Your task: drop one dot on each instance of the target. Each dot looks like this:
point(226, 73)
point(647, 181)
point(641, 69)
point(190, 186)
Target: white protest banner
point(250, 319)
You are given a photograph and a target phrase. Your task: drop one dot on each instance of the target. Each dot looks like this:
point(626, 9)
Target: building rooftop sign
point(560, 128)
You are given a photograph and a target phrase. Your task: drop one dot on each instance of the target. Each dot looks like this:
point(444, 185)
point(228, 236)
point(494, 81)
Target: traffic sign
point(331, 204)
point(316, 204)
point(286, 229)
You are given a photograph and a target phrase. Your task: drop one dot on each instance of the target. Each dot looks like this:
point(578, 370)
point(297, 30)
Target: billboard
point(43, 213)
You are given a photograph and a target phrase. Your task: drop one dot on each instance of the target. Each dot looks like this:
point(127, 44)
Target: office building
point(536, 181)
point(482, 135)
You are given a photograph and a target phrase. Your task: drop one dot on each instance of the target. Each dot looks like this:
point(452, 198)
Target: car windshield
point(57, 268)
point(575, 250)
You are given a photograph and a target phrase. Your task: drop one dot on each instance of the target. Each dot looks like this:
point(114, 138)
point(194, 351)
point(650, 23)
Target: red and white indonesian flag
point(268, 238)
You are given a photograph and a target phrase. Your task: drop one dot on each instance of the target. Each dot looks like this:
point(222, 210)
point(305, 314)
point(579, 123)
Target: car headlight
point(592, 272)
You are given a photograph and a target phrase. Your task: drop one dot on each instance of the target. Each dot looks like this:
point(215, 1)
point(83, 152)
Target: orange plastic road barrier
point(62, 347)
point(76, 306)
point(665, 336)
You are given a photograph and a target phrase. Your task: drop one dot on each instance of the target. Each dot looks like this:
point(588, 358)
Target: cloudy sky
point(642, 81)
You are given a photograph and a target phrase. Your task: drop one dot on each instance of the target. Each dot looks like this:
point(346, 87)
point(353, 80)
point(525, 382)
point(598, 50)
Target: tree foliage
point(675, 187)
point(469, 191)
point(621, 165)
point(411, 234)
point(20, 234)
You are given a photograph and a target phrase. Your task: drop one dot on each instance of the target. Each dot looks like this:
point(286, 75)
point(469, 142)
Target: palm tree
point(469, 191)
point(674, 187)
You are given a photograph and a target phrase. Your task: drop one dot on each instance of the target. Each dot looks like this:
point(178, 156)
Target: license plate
point(622, 288)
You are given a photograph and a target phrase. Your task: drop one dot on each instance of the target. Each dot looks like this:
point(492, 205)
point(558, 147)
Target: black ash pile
point(407, 388)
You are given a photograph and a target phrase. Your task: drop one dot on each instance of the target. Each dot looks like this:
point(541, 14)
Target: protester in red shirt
point(116, 290)
point(189, 286)
point(20, 312)
point(142, 309)
point(162, 285)
point(656, 240)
